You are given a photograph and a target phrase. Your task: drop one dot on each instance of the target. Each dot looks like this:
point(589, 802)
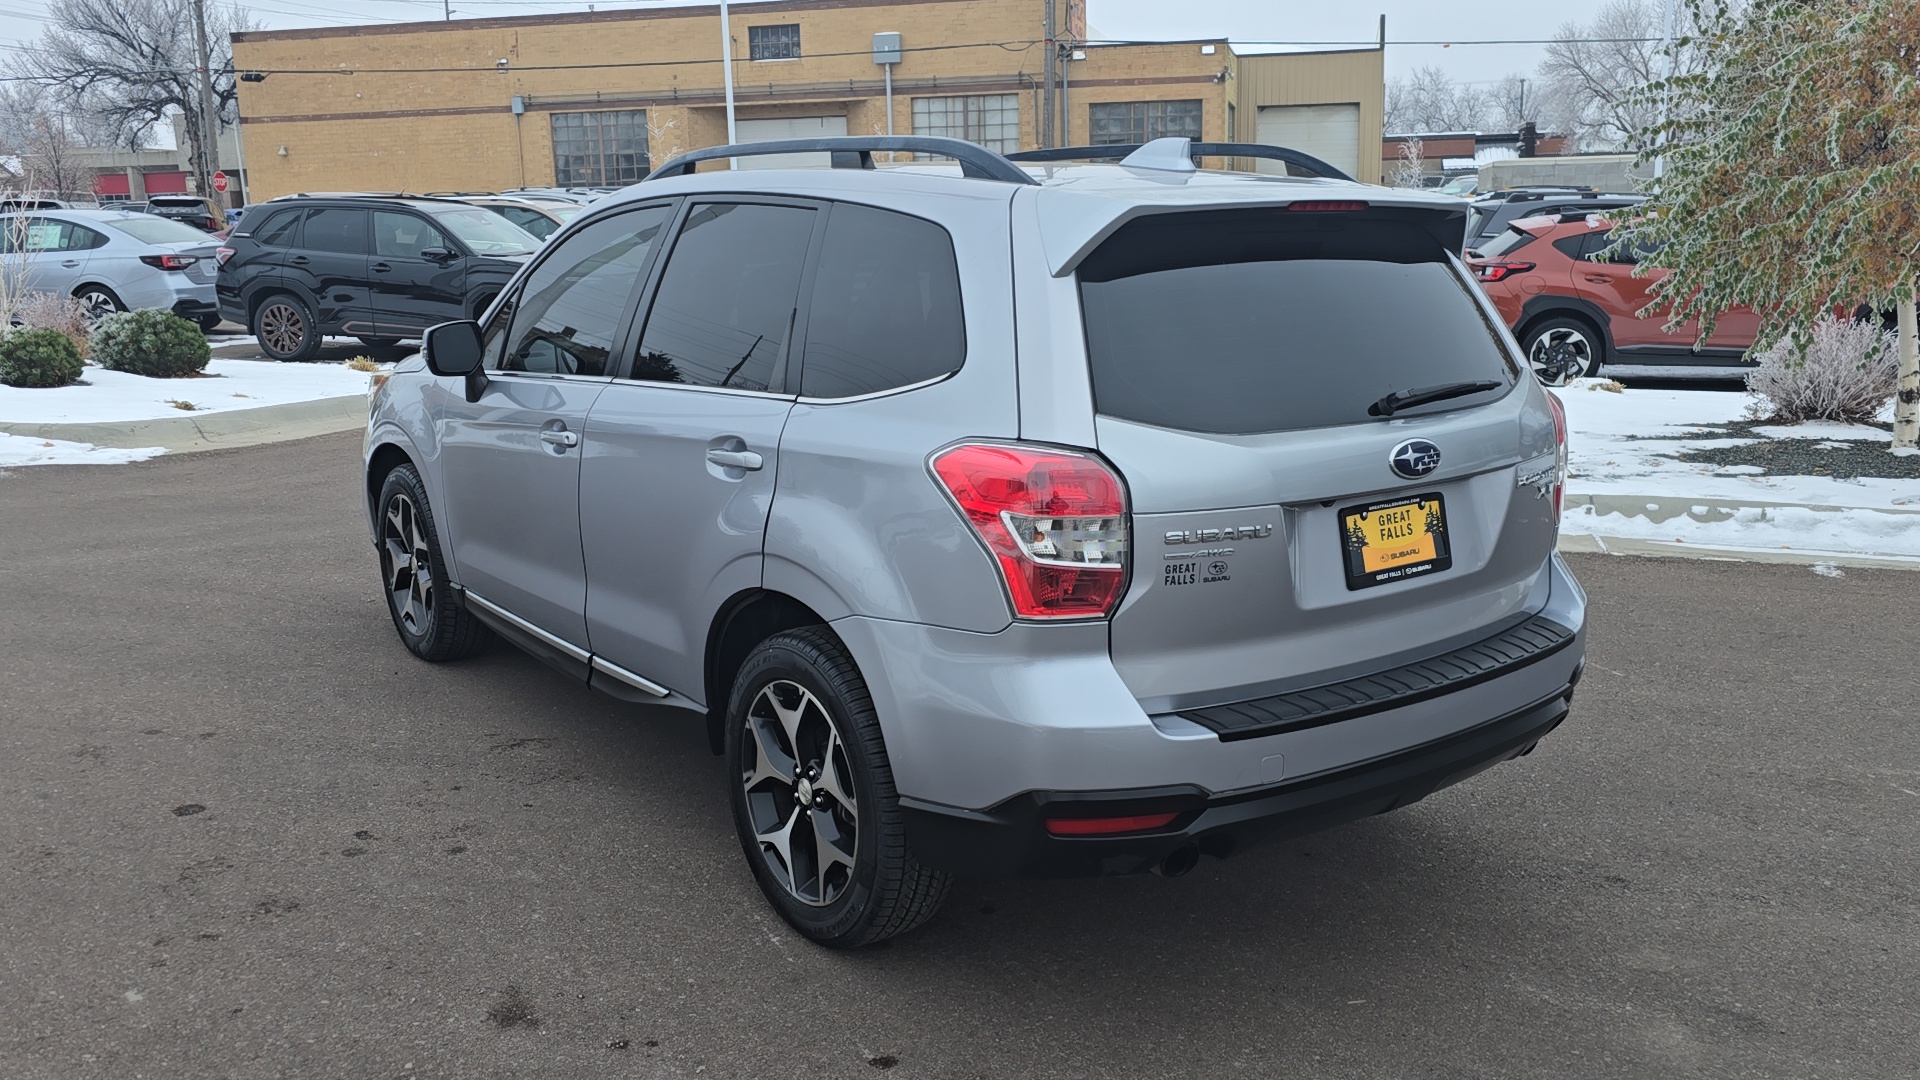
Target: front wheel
point(813, 796)
point(432, 622)
point(285, 329)
point(1562, 350)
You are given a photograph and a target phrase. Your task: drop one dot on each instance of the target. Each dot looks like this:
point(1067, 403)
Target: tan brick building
point(597, 97)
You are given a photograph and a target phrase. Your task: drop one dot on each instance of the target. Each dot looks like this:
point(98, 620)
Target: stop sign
point(219, 181)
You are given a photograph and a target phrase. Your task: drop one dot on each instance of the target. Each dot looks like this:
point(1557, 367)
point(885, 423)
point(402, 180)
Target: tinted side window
point(533, 221)
point(886, 305)
point(336, 230)
point(84, 238)
point(571, 305)
point(404, 236)
point(726, 303)
point(280, 230)
point(1573, 247)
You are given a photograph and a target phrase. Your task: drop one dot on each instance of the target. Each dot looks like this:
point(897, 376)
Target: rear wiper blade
point(1427, 395)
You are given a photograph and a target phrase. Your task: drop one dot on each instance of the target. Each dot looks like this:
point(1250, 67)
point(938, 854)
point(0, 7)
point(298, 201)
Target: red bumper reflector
point(1108, 826)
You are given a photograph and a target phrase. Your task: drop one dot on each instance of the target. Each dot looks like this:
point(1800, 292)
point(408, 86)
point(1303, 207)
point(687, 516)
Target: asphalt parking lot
point(247, 835)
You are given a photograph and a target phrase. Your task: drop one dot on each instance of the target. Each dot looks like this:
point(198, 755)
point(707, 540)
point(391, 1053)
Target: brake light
point(1327, 206)
point(170, 262)
point(1055, 521)
point(1109, 826)
point(221, 256)
point(1500, 271)
point(1560, 452)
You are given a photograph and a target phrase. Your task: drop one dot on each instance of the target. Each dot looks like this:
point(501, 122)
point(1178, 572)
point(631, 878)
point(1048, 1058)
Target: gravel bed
point(1839, 459)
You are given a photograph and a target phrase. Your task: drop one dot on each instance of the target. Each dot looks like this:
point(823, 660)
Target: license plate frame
point(1372, 560)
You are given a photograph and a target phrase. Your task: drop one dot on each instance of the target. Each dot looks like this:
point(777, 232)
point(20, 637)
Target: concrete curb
point(1587, 544)
point(214, 430)
point(1659, 508)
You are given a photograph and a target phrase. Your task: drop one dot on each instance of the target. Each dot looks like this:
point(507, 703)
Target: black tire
point(430, 618)
point(379, 342)
point(885, 891)
point(99, 302)
point(1562, 349)
point(284, 327)
point(209, 323)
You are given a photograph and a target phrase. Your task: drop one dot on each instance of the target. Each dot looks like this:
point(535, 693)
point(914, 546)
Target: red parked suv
point(1573, 313)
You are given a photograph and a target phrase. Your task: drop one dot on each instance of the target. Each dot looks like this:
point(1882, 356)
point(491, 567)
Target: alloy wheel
point(799, 793)
point(1560, 356)
point(407, 565)
point(96, 305)
point(282, 327)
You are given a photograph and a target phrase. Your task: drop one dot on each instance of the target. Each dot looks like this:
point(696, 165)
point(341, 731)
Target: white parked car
point(112, 260)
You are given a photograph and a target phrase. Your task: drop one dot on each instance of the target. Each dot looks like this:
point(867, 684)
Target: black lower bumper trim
point(1010, 840)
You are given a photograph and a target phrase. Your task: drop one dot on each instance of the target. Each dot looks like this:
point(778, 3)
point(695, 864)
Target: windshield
point(1242, 322)
point(564, 211)
point(1462, 186)
point(156, 230)
point(487, 233)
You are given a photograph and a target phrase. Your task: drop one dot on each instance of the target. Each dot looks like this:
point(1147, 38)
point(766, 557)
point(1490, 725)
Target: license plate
point(1395, 540)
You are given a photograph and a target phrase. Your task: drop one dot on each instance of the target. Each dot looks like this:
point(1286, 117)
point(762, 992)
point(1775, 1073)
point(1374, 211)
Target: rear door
point(675, 493)
point(1612, 287)
point(330, 266)
point(1285, 534)
point(53, 253)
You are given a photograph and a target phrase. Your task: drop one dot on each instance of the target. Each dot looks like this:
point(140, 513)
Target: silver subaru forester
point(1028, 518)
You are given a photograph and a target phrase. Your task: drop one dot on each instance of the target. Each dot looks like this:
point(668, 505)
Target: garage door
point(790, 127)
point(1328, 132)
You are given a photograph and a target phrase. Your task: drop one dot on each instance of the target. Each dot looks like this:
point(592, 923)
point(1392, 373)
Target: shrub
point(150, 342)
point(38, 357)
point(1845, 373)
point(53, 311)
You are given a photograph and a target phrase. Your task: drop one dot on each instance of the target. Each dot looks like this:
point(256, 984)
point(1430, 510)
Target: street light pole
point(726, 68)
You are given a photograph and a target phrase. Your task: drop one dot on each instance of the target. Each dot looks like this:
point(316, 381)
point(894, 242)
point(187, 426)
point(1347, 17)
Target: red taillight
point(1109, 826)
point(1328, 206)
point(170, 262)
point(1055, 521)
point(1500, 271)
point(221, 256)
point(1560, 452)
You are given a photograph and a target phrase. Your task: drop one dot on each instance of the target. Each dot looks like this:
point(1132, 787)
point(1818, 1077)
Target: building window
point(600, 149)
point(992, 120)
point(774, 42)
point(1126, 122)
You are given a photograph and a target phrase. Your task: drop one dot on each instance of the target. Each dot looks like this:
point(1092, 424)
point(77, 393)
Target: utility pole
point(726, 70)
point(447, 6)
point(1666, 92)
point(207, 131)
point(1047, 79)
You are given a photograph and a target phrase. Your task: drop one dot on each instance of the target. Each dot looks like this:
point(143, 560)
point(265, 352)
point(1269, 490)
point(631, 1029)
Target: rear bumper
point(1011, 839)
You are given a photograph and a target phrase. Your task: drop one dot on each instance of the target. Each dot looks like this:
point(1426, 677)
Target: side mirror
point(436, 255)
point(452, 348)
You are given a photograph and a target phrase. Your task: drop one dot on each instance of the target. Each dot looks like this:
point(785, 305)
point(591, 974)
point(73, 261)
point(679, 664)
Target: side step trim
point(565, 647)
point(1512, 649)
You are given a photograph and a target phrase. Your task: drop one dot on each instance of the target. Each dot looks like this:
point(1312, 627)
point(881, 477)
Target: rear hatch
point(1240, 362)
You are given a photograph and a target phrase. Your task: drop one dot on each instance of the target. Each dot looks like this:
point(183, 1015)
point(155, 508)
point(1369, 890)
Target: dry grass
point(183, 405)
point(364, 363)
point(1611, 386)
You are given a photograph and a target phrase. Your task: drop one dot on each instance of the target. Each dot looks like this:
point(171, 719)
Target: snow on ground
point(21, 450)
point(1621, 444)
point(116, 397)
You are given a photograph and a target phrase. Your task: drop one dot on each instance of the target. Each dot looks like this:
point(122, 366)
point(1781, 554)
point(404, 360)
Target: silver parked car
point(113, 260)
point(1019, 520)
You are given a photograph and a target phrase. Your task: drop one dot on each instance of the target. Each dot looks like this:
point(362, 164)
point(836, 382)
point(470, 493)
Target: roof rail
point(1313, 165)
point(856, 152)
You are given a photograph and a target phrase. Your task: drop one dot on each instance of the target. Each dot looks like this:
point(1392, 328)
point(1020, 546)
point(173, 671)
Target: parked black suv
point(374, 267)
point(1489, 216)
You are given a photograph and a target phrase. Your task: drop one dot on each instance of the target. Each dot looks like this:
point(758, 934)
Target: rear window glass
point(1240, 322)
point(1506, 243)
point(153, 230)
point(278, 229)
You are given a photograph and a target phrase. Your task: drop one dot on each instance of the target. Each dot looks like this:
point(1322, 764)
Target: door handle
point(70, 263)
point(560, 438)
point(297, 260)
point(381, 268)
point(736, 459)
point(1597, 279)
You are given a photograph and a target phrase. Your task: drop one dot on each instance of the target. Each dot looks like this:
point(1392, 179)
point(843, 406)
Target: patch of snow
point(1761, 528)
point(21, 450)
point(117, 397)
point(1827, 569)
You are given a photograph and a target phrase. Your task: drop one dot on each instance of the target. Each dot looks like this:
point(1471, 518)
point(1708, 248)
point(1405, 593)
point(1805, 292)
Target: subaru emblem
point(1414, 458)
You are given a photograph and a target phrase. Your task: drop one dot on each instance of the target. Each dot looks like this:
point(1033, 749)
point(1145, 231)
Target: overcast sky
point(1241, 20)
